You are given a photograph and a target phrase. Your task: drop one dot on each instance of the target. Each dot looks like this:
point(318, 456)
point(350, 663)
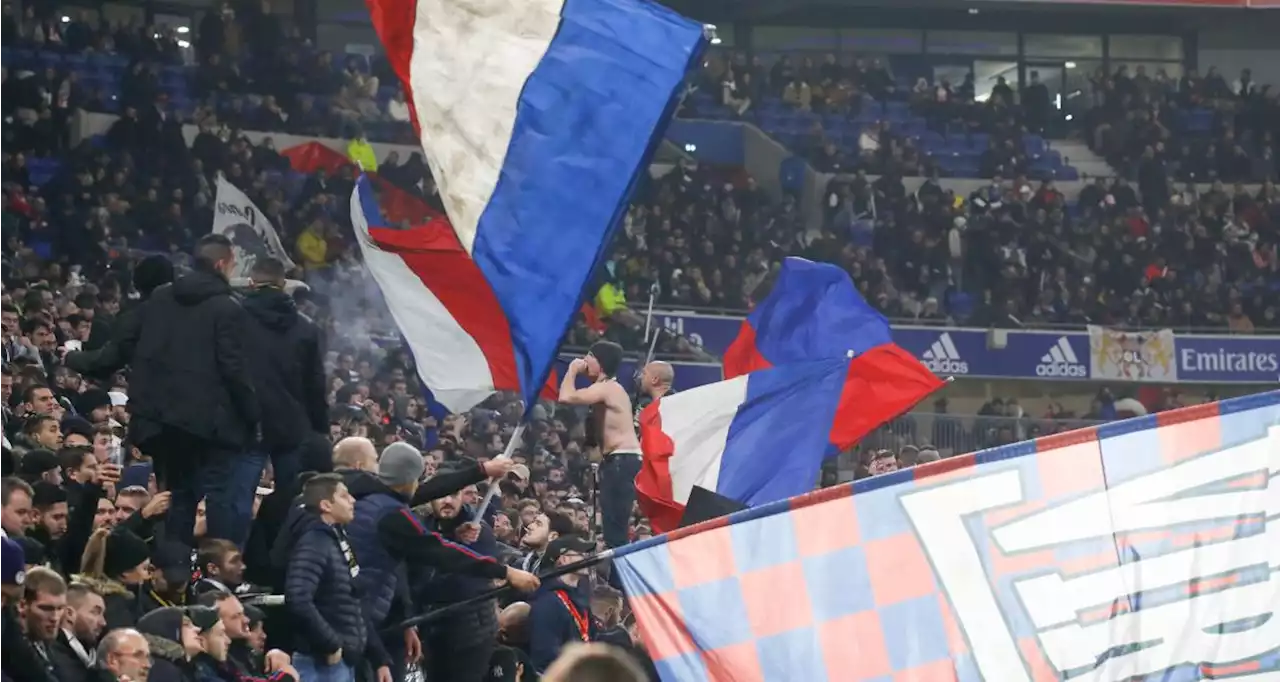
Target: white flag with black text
point(252, 235)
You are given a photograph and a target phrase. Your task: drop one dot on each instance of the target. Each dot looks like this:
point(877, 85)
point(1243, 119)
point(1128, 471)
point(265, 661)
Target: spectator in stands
point(125, 654)
point(17, 506)
point(560, 614)
point(320, 590)
point(117, 565)
point(44, 597)
point(594, 663)
point(288, 371)
point(174, 638)
point(73, 653)
point(212, 427)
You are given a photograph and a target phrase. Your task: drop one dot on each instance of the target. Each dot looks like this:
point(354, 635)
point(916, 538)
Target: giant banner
point(1144, 550)
point(1163, 357)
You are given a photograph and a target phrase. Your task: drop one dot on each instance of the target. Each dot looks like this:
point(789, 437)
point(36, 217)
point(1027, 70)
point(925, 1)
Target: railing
point(957, 434)
point(911, 321)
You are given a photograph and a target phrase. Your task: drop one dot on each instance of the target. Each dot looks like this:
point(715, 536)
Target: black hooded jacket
point(189, 353)
point(288, 369)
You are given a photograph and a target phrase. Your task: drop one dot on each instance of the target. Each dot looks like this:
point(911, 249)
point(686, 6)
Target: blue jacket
point(551, 625)
point(320, 593)
point(382, 576)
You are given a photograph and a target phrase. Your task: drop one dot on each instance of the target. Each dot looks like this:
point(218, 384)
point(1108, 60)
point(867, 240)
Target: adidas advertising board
point(1061, 361)
point(943, 357)
point(1037, 355)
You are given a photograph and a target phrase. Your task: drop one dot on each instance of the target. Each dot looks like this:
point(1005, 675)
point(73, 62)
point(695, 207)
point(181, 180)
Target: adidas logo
point(1061, 361)
point(943, 358)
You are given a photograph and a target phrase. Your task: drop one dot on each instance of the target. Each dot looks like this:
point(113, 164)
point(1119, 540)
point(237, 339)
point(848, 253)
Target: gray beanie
point(400, 464)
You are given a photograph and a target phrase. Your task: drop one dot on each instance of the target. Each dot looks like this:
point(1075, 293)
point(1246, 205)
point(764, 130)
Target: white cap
point(118, 399)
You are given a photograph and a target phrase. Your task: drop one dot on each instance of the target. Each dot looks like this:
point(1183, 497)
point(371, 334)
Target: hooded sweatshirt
point(288, 370)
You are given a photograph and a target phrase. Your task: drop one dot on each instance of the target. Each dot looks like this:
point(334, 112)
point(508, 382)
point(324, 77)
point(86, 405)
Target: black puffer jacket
point(320, 592)
point(288, 370)
point(190, 367)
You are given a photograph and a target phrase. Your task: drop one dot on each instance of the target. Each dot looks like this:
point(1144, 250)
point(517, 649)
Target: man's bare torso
point(613, 421)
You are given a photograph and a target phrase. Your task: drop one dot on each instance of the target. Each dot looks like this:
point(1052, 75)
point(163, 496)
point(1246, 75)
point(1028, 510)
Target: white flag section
point(251, 234)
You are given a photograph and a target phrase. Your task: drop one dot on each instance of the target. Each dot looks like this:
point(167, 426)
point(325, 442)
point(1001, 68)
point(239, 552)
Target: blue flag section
point(1029, 354)
point(1140, 550)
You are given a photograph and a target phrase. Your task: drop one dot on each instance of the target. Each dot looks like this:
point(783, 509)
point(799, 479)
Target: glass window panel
point(1052, 45)
point(881, 40)
point(972, 42)
point(1146, 47)
point(1172, 70)
point(787, 38)
point(725, 33)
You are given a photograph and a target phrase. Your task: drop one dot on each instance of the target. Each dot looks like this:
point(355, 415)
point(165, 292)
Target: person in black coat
point(72, 652)
point(330, 628)
point(105, 358)
point(459, 646)
point(288, 369)
point(191, 395)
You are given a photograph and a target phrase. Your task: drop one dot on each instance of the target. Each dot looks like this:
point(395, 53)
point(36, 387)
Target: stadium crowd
point(153, 457)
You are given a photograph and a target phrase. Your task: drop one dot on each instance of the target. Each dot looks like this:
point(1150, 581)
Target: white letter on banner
point(1180, 632)
point(938, 515)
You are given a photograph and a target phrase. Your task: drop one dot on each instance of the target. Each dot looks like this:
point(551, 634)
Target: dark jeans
point(192, 470)
point(618, 496)
point(285, 467)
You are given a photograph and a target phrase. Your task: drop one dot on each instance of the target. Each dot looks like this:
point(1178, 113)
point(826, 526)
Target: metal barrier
point(957, 434)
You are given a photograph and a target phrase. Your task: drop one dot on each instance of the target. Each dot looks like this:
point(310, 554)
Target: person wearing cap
point(385, 535)
point(171, 570)
point(21, 662)
point(40, 465)
point(213, 664)
point(174, 636)
point(614, 423)
point(559, 613)
point(539, 534)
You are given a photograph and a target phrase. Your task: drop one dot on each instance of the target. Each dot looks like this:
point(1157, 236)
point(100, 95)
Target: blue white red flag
point(814, 312)
point(1140, 550)
point(756, 438)
point(536, 117)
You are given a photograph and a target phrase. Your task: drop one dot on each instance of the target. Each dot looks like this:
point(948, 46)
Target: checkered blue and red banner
point(1147, 549)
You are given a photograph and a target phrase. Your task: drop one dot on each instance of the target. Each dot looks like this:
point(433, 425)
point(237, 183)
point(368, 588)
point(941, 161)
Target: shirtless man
point(612, 419)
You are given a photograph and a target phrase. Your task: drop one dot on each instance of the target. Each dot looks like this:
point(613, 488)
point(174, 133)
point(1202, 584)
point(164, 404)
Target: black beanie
point(164, 622)
point(609, 355)
point(125, 551)
point(151, 272)
point(91, 400)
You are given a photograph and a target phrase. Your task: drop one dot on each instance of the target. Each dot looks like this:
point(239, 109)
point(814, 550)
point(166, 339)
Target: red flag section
point(653, 483)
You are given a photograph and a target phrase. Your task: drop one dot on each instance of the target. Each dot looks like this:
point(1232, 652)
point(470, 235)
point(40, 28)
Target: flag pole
point(493, 482)
point(447, 609)
point(648, 317)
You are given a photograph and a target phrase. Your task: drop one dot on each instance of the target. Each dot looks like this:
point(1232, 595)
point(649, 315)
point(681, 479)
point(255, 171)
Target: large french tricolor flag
point(814, 312)
point(755, 438)
point(537, 118)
